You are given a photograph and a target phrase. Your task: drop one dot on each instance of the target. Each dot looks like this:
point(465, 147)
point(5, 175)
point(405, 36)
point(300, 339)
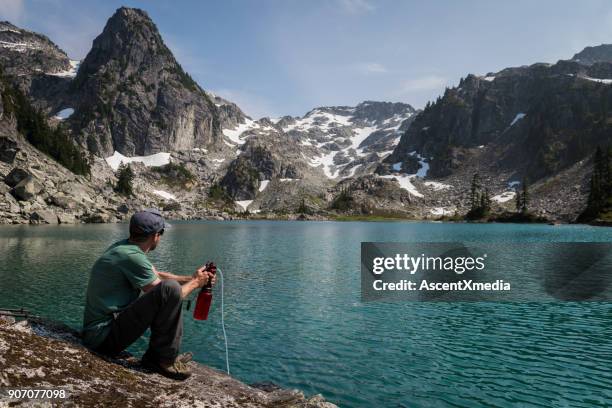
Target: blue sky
point(278, 57)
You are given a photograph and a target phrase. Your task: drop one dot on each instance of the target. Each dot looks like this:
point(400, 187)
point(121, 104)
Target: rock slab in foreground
point(39, 354)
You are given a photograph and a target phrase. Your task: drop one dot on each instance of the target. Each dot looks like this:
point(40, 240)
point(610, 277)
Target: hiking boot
point(185, 357)
point(177, 370)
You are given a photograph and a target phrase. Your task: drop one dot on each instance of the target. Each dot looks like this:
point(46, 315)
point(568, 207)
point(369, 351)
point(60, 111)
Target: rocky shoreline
point(43, 354)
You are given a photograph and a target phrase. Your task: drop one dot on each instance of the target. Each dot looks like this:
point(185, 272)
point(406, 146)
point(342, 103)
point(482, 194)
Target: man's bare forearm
point(182, 279)
point(189, 287)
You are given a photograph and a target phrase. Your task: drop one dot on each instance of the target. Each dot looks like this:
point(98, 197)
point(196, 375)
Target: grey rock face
point(132, 96)
point(23, 52)
point(373, 195)
point(36, 186)
point(36, 65)
point(530, 113)
point(8, 150)
point(258, 162)
point(536, 122)
point(592, 55)
point(65, 218)
point(100, 217)
point(94, 380)
point(27, 189)
point(15, 176)
point(43, 217)
point(63, 201)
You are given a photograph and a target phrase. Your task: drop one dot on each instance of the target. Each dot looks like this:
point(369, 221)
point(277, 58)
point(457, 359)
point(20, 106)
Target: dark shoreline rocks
point(43, 354)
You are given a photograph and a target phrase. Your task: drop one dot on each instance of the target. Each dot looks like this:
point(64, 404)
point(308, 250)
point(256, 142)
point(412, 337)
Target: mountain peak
point(8, 26)
point(131, 72)
point(595, 54)
point(127, 15)
point(24, 52)
point(130, 44)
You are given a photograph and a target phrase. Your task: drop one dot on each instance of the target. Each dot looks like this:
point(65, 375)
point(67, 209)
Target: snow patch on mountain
point(340, 141)
point(424, 166)
point(504, 197)
point(437, 186)
point(600, 80)
point(234, 135)
point(64, 114)
point(154, 160)
point(518, 117)
point(70, 73)
point(405, 180)
point(20, 46)
point(165, 194)
point(263, 185)
point(244, 204)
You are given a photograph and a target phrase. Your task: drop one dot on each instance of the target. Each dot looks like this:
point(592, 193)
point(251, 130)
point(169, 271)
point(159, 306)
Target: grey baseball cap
point(149, 221)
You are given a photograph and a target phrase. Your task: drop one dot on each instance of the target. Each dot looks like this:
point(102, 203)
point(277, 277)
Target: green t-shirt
point(116, 280)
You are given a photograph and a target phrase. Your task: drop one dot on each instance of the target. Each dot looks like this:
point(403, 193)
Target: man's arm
point(197, 280)
point(150, 286)
point(182, 279)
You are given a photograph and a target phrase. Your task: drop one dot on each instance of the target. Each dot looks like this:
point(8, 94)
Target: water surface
point(294, 316)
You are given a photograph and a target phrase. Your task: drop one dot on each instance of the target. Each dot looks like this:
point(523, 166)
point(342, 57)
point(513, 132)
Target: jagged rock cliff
point(535, 122)
point(545, 118)
point(593, 55)
point(42, 354)
point(28, 53)
point(36, 65)
point(131, 95)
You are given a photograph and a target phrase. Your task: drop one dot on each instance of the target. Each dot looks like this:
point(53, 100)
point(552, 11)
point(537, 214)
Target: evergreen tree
point(302, 209)
point(475, 192)
point(125, 176)
point(344, 200)
point(525, 197)
point(487, 201)
point(518, 201)
point(480, 201)
point(482, 206)
point(600, 194)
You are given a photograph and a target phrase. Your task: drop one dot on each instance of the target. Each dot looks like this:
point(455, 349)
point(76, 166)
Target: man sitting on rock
point(115, 313)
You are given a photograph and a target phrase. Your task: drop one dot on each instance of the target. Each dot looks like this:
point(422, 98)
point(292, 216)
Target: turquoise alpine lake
point(294, 315)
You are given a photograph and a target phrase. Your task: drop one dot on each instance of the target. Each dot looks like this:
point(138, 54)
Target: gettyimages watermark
point(512, 272)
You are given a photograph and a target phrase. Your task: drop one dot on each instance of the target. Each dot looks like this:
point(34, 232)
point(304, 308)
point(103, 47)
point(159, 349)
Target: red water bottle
point(205, 296)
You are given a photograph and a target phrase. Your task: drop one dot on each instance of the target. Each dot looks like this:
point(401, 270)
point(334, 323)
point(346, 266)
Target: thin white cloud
point(371, 68)
point(356, 6)
point(12, 10)
point(426, 83)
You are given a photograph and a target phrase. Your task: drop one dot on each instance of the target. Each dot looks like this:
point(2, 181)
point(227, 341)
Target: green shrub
point(175, 174)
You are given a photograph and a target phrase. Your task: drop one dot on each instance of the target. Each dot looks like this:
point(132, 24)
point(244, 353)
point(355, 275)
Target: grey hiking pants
point(159, 309)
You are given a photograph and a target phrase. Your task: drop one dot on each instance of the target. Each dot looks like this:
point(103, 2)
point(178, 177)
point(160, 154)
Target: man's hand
point(211, 276)
point(201, 276)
